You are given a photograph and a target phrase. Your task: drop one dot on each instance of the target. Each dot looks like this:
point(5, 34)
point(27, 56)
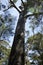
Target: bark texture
point(17, 55)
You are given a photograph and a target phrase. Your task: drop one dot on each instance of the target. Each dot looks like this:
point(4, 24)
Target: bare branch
point(8, 8)
point(22, 2)
point(34, 14)
point(15, 6)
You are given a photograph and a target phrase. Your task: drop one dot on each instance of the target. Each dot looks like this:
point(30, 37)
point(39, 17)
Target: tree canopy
point(28, 9)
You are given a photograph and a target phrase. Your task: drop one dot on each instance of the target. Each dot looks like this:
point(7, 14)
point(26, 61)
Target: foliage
point(35, 51)
point(36, 39)
point(4, 52)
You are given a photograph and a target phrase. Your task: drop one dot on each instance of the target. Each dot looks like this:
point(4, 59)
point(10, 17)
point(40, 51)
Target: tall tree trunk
point(17, 55)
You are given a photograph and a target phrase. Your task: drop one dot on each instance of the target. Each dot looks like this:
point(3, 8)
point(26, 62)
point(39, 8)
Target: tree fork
point(17, 55)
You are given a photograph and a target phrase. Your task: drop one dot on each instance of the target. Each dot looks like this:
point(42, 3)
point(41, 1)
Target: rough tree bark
point(17, 55)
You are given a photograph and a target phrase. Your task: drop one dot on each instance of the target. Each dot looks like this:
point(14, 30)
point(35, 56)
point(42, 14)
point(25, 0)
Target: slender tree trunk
point(17, 56)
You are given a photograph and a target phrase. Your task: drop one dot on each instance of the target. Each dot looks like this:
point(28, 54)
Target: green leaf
point(15, 1)
point(31, 10)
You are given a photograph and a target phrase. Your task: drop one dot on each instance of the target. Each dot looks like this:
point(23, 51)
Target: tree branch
point(8, 8)
point(34, 14)
point(22, 2)
point(15, 6)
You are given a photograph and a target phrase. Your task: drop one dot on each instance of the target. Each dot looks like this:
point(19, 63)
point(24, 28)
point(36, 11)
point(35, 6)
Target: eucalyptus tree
point(17, 51)
point(17, 56)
